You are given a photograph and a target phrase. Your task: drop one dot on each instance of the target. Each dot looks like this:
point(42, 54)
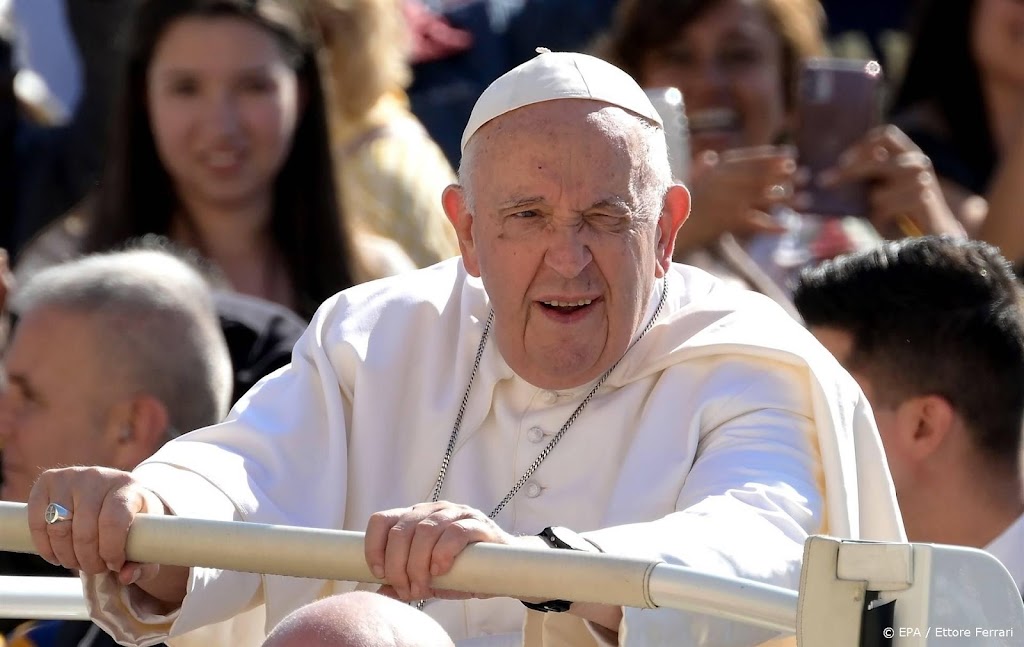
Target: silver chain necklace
point(450, 450)
point(446, 461)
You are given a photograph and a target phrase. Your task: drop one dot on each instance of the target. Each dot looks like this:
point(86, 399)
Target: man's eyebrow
point(613, 203)
point(517, 202)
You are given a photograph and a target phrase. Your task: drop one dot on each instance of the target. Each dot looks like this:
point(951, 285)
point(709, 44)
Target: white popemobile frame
point(942, 593)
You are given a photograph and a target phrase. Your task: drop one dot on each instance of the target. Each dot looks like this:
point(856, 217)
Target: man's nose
point(568, 252)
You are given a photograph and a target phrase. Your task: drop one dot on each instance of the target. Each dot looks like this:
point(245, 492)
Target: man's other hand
point(408, 547)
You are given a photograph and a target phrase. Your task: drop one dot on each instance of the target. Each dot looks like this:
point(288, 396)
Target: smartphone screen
point(838, 101)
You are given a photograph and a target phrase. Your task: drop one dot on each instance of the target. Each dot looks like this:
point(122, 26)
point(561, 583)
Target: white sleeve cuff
point(126, 612)
point(129, 614)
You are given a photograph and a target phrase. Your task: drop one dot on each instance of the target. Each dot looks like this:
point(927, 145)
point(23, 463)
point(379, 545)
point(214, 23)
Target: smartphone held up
point(838, 102)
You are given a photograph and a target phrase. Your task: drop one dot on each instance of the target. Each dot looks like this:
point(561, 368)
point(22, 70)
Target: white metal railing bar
point(42, 598)
point(482, 568)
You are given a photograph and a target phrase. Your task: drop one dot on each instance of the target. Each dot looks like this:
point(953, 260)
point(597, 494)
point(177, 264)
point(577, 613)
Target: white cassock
point(722, 439)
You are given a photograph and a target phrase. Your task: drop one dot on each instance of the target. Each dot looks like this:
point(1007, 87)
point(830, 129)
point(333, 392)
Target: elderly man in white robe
point(562, 373)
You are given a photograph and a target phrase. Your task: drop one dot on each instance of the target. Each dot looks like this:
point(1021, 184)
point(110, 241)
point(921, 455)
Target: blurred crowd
point(286, 150)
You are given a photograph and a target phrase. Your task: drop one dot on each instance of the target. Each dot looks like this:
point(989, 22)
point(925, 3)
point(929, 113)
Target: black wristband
point(565, 539)
point(552, 606)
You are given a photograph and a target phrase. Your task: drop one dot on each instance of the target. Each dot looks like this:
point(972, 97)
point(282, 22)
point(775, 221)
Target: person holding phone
point(853, 164)
point(737, 63)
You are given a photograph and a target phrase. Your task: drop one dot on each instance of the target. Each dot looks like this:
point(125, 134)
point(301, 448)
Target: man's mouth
point(567, 307)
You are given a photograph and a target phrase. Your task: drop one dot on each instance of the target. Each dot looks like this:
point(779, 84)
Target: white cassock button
point(533, 490)
point(535, 435)
point(551, 397)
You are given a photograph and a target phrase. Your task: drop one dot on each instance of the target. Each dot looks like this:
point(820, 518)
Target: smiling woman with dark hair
point(220, 142)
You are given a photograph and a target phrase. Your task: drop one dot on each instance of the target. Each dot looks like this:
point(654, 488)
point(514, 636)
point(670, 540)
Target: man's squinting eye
point(605, 220)
point(524, 215)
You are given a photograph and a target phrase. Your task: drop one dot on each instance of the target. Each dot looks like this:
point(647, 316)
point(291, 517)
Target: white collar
point(1008, 548)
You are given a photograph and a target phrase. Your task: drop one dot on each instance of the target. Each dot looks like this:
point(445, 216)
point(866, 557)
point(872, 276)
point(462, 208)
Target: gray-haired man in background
point(112, 356)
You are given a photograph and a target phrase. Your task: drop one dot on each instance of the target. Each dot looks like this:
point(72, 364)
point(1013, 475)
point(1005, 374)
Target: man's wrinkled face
point(567, 234)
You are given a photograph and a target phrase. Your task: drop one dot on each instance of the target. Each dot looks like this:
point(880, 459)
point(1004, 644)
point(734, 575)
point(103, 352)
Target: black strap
point(551, 606)
point(877, 622)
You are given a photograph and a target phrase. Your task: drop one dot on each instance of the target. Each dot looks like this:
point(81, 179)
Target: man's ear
point(674, 213)
point(454, 202)
point(925, 422)
point(139, 427)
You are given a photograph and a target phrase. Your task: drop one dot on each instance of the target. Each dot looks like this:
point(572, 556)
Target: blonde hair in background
point(366, 44)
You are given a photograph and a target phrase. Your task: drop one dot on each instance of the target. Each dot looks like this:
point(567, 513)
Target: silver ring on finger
point(777, 192)
point(55, 513)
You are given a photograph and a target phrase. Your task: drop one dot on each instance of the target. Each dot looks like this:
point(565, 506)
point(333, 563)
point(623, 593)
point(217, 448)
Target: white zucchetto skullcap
point(559, 75)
